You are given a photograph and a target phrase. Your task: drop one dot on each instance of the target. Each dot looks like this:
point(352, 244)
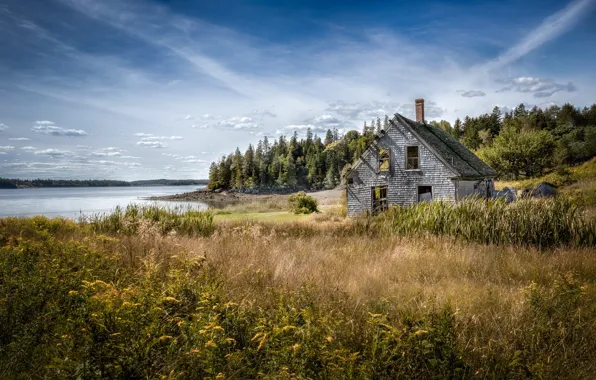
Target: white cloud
point(29, 148)
point(54, 153)
point(238, 123)
point(3, 127)
point(199, 126)
point(150, 137)
point(263, 112)
point(151, 144)
point(19, 139)
point(472, 93)
point(49, 128)
point(6, 147)
point(195, 161)
point(189, 117)
point(541, 88)
point(363, 111)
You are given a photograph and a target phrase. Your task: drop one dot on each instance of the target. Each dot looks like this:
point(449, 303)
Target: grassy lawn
point(282, 216)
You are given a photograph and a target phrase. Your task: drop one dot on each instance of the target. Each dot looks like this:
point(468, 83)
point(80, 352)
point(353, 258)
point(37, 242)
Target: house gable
point(402, 183)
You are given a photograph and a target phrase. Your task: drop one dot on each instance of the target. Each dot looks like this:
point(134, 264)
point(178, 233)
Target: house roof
point(448, 149)
point(456, 155)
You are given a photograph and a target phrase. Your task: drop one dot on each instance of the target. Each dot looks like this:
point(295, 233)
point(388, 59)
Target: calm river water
point(76, 201)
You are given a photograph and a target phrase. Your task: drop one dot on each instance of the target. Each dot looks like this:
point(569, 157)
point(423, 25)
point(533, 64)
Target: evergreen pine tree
point(291, 179)
point(248, 168)
point(328, 137)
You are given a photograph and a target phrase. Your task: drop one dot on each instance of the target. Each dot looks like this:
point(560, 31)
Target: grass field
point(280, 216)
point(148, 293)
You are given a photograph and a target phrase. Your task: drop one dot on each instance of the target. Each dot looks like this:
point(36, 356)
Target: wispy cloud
point(19, 139)
point(541, 88)
point(3, 127)
point(551, 28)
point(151, 144)
point(6, 147)
point(54, 153)
point(49, 128)
point(472, 93)
point(238, 123)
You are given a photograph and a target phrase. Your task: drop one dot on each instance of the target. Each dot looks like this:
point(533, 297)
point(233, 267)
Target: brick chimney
point(420, 110)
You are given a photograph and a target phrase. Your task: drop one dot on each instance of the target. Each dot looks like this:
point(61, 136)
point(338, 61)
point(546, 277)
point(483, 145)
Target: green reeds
point(530, 222)
point(153, 218)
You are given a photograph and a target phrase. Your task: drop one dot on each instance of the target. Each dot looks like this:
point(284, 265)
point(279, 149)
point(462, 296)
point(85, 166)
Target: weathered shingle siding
point(402, 184)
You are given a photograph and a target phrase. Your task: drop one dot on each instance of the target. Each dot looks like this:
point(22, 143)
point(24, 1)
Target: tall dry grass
point(332, 298)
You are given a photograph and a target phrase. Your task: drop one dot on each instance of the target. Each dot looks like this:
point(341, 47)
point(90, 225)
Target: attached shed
point(412, 162)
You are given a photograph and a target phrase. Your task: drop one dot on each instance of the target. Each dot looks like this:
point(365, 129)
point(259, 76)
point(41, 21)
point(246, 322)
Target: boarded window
point(384, 162)
point(425, 193)
point(379, 199)
point(412, 158)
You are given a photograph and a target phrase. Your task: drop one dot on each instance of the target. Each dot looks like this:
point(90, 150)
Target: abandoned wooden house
point(411, 162)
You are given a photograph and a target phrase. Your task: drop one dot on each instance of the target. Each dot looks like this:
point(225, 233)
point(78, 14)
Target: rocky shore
point(231, 197)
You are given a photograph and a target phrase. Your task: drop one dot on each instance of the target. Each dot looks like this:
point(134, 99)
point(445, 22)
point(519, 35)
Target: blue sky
point(130, 89)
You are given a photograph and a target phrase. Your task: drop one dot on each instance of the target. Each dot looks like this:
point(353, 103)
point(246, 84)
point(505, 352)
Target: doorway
point(379, 199)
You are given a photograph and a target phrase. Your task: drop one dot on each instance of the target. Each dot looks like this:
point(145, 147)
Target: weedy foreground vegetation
point(154, 293)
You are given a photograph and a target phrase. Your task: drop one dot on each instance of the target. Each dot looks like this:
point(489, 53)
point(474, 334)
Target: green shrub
point(301, 203)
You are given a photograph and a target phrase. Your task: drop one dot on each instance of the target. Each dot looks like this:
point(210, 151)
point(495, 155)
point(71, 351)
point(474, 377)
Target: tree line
point(519, 143)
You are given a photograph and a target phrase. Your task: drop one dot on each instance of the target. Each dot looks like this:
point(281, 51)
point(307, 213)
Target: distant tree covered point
point(12, 183)
point(521, 143)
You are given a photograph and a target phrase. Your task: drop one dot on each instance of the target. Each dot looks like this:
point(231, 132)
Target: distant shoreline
point(8, 183)
point(324, 197)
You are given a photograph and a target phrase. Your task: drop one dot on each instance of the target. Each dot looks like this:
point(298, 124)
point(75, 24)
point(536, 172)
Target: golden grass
point(512, 312)
point(413, 272)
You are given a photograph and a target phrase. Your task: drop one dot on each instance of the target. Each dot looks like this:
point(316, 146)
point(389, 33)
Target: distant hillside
point(14, 183)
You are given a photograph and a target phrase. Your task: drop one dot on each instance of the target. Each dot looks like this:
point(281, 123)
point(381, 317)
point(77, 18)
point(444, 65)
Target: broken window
point(412, 158)
point(425, 193)
point(384, 160)
point(379, 199)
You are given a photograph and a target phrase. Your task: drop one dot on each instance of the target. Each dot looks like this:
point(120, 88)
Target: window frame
point(379, 159)
point(418, 192)
point(407, 158)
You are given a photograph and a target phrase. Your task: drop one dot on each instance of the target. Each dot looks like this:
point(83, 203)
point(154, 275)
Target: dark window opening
point(425, 193)
point(379, 199)
point(384, 160)
point(412, 158)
